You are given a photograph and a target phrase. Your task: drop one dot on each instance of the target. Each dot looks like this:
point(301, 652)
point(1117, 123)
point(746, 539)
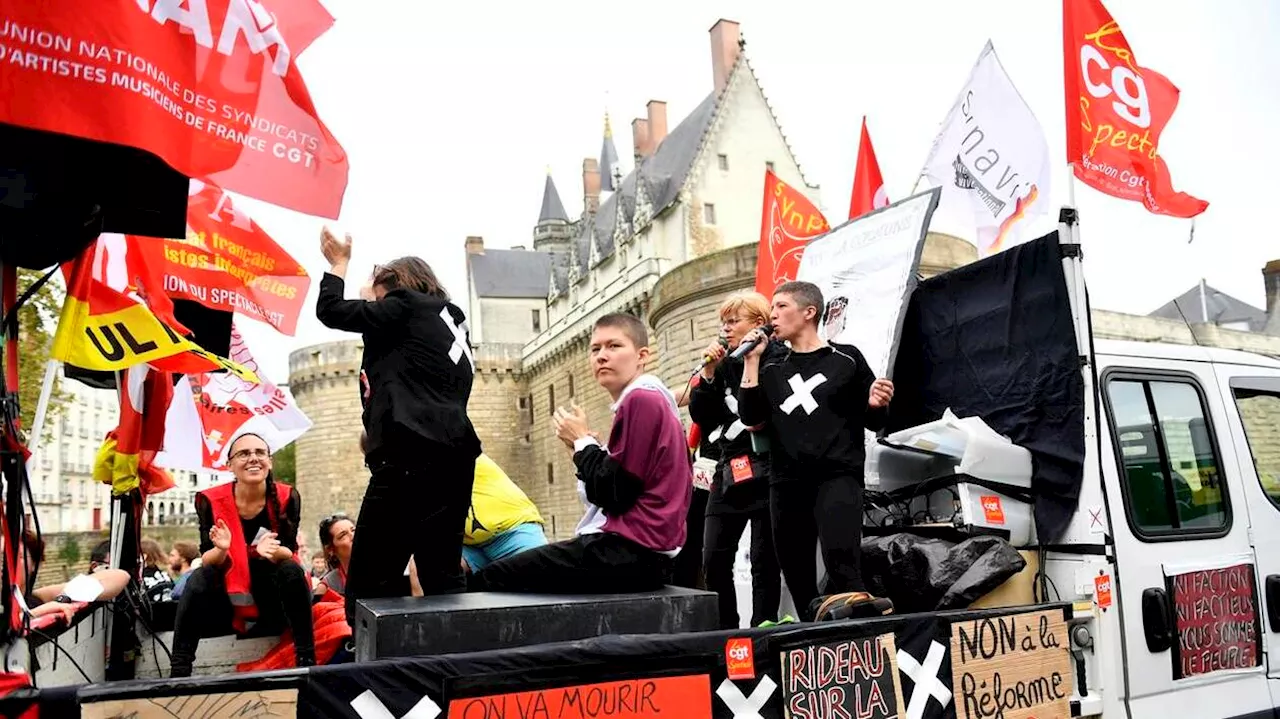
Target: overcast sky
point(452, 113)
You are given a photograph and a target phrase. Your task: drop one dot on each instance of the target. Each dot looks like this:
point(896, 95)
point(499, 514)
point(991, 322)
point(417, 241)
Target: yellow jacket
point(497, 504)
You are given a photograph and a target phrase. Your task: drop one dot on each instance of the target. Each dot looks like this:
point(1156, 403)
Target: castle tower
point(553, 231)
point(325, 381)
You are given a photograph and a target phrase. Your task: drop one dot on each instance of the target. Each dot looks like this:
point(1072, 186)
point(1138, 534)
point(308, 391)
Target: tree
point(283, 465)
point(37, 322)
point(70, 555)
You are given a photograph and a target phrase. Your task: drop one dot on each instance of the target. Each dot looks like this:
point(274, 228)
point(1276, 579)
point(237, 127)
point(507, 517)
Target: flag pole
point(42, 410)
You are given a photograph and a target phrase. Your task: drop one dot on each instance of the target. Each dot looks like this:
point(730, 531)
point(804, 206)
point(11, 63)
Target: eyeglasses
point(245, 454)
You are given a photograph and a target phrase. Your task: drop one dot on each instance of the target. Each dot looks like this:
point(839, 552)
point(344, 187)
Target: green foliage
point(70, 554)
point(283, 465)
point(37, 322)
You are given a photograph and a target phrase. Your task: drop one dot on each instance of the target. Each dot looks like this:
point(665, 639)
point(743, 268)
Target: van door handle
point(1157, 619)
point(1272, 590)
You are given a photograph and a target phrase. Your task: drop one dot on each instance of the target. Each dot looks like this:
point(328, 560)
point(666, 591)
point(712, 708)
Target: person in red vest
point(247, 580)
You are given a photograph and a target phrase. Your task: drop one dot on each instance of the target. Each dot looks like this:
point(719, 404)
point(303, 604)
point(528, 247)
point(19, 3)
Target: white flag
point(991, 158)
point(210, 410)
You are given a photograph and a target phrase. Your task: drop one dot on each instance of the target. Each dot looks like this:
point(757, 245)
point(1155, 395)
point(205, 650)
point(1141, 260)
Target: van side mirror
point(1157, 619)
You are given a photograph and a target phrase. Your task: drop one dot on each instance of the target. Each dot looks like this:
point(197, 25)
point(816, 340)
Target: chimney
point(657, 124)
point(475, 245)
point(640, 139)
point(590, 186)
point(1271, 282)
point(724, 51)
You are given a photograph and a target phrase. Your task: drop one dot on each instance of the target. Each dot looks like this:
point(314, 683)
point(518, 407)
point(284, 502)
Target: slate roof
point(510, 273)
point(552, 207)
point(1223, 309)
point(663, 173)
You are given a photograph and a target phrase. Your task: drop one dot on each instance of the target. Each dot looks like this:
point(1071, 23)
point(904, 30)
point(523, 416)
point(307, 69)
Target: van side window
point(1171, 479)
point(1260, 414)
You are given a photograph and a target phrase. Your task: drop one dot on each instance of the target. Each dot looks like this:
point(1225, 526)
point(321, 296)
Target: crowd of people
point(778, 418)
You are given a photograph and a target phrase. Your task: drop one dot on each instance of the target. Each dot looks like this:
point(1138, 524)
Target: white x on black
point(925, 677)
point(802, 393)
point(460, 347)
point(369, 706)
point(734, 429)
point(742, 706)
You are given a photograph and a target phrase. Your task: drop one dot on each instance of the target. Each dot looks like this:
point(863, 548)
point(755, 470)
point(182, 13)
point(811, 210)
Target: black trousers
point(416, 511)
point(720, 549)
point(689, 571)
point(281, 594)
point(589, 564)
point(805, 511)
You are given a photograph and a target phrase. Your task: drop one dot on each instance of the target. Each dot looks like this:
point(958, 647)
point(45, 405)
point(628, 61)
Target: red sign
point(659, 698)
point(1216, 617)
point(1102, 590)
point(1116, 110)
point(211, 88)
point(227, 262)
point(992, 510)
point(739, 658)
point(789, 222)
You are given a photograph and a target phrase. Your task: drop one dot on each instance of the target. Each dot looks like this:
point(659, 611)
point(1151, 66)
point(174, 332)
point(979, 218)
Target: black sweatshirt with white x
point(813, 405)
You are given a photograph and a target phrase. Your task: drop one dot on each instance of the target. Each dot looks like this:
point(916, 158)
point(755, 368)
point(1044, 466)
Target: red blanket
point(331, 629)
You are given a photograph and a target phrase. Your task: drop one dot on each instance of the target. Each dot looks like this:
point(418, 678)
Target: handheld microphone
point(746, 347)
point(707, 358)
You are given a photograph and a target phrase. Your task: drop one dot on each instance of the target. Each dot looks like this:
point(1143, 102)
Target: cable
point(66, 653)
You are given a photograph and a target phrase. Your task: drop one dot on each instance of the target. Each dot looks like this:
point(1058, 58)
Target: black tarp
point(995, 339)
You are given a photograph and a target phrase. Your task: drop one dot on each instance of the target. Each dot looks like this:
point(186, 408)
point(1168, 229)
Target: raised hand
point(220, 535)
point(571, 424)
point(337, 252)
point(716, 352)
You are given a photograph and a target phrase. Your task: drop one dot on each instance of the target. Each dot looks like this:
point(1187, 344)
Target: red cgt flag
point(868, 184)
point(788, 223)
point(1116, 110)
point(210, 87)
point(227, 262)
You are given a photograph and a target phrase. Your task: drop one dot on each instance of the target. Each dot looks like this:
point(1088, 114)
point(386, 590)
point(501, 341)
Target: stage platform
point(479, 621)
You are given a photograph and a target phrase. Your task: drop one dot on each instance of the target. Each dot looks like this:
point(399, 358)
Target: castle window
point(709, 214)
point(571, 394)
point(537, 320)
point(724, 162)
point(551, 400)
point(769, 165)
point(551, 473)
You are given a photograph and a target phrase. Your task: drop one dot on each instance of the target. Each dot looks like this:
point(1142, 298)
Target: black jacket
point(416, 374)
point(713, 406)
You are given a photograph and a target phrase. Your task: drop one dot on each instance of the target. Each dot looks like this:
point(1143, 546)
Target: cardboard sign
point(1216, 620)
point(739, 658)
point(847, 678)
point(1016, 667)
point(231, 705)
point(655, 698)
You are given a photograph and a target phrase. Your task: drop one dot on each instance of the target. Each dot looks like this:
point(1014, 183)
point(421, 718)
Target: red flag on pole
point(788, 223)
point(210, 87)
point(868, 183)
point(1116, 110)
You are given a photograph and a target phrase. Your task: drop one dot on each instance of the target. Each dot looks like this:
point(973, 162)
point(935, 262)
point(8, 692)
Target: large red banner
point(788, 223)
point(1116, 110)
point(211, 87)
point(227, 262)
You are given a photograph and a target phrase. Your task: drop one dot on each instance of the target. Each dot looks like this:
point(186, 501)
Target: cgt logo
point(739, 658)
point(1102, 590)
point(992, 510)
point(244, 17)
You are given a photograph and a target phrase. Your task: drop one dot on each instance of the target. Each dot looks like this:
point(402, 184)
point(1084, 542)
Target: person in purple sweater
point(636, 491)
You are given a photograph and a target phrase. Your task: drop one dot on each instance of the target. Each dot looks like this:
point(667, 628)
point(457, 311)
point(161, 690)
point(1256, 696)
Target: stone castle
point(667, 242)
